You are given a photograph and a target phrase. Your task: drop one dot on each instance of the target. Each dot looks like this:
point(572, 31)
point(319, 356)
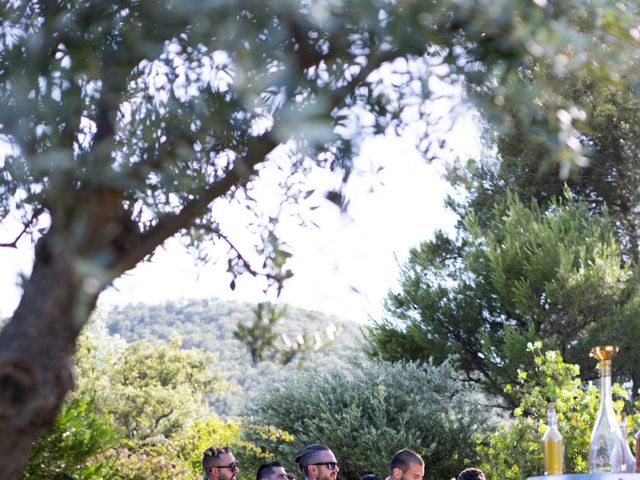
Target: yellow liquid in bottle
point(553, 455)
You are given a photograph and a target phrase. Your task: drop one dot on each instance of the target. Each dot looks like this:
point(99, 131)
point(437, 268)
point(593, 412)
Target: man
point(370, 476)
point(471, 474)
point(271, 471)
point(219, 463)
point(318, 462)
point(406, 465)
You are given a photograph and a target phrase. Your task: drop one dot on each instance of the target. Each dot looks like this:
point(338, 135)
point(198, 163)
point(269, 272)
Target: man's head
point(219, 463)
point(318, 462)
point(471, 474)
point(271, 471)
point(406, 465)
point(370, 476)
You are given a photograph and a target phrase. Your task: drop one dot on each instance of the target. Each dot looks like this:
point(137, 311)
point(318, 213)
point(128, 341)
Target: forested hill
point(209, 325)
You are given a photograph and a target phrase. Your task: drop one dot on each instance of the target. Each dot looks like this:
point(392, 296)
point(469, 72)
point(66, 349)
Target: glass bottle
point(638, 452)
point(605, 446)
point(629, 460)
point(553, 445)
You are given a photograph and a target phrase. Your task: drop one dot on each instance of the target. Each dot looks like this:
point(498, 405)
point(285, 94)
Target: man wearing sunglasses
point(219, 464)
point(318, 462)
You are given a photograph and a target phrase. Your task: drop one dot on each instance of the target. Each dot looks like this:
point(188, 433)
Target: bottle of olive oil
point(553, 445)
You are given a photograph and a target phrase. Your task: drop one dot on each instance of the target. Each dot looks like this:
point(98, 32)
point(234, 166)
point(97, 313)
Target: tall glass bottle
point(638, 452)
point(605, 447)
point(629, 460)
point(553, 445)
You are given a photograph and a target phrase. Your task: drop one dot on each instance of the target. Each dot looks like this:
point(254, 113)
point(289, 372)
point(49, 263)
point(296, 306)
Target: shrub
point(70, 449)
point(371, 411)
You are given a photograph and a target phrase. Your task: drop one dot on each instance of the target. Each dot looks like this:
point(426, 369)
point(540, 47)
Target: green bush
point(514, 450)
point(179, 456)
point(371, 411)
point(72, 447)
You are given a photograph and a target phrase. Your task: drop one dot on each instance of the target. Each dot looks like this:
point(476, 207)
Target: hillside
point(209, 325)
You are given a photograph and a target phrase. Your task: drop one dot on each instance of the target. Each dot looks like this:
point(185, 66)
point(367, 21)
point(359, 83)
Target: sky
point(345, 266)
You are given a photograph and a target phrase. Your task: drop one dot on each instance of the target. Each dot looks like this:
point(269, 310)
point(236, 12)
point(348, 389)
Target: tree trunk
point(36, 346)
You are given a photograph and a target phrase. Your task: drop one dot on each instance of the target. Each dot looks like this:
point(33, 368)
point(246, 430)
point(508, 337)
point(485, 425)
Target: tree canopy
point(130, 122)
point(523, 276)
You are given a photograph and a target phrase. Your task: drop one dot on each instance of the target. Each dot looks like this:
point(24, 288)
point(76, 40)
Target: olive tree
point(129, 122)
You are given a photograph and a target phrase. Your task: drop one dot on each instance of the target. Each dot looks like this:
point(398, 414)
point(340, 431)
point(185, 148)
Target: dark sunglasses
point(233, 466)
point(329, 465)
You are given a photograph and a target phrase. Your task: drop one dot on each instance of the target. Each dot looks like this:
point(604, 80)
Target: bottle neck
point(604, 368)
point(605, 389)
point(552, 417)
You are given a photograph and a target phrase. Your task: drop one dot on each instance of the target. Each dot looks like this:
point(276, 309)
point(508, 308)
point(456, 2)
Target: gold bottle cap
point(604, 354)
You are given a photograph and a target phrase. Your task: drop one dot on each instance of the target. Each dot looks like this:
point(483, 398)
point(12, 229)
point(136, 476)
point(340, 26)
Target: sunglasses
point(329, 465)
point(233, 466)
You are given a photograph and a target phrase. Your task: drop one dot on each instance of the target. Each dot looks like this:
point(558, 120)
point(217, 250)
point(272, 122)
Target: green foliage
point(261, 338)
point(608, 126)
point(180, 455)
point(132, 121)
point(515, 451)
point(210, 324)
point(528, 274)
point(148, 389)
point(368, 412)
point(73, 448)
point(154, 395)
point(159, 388)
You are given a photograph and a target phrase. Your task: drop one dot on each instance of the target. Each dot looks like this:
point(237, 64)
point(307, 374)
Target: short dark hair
point(306, 456)
point(210, 455)
point(471, 473)
point(370, 476)
point(403, 458)
point(267, 469)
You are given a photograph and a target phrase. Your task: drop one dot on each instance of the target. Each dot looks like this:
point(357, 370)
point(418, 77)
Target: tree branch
point(34, 216)
point(257, 150)
point(245, 262)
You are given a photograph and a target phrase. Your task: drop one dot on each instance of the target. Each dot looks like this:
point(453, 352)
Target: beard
point(326, 475)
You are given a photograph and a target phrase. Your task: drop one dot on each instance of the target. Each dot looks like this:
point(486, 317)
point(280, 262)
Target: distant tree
point(526, 275)
point(130, 122)
point(265, 342)
point(315, 339)
point(148, 389)
point(158, 389)
point(368, 412)
point(259, 336)
point(609, 137)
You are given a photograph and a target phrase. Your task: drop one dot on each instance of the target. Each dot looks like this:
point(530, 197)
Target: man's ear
point(396, 473)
